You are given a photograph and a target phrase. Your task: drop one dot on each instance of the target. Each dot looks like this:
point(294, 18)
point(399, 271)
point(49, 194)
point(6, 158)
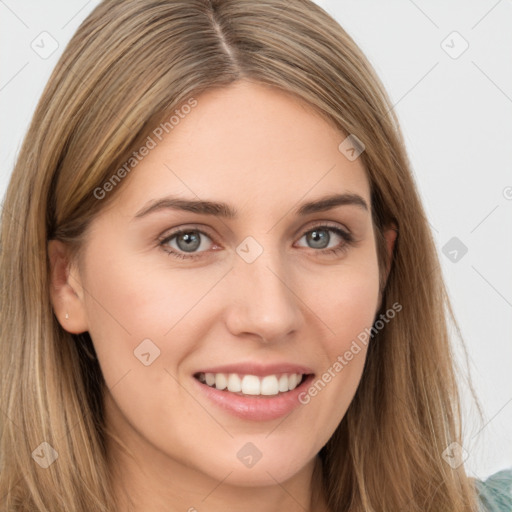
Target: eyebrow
point(224, 210)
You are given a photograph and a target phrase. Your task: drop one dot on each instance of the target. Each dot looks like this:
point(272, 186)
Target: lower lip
point(256, 408)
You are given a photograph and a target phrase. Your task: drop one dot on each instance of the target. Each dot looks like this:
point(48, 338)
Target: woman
point(219, 288)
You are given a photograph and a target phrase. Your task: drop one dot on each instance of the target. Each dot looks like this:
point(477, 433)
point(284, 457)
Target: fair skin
point(265, 154)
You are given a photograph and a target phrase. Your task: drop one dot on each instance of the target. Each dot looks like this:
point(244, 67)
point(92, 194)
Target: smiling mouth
point(252, 385)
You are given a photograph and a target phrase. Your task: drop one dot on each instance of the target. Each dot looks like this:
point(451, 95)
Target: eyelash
point(339, 249)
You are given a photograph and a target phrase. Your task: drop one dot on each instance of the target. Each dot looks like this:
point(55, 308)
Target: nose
point(261, 299)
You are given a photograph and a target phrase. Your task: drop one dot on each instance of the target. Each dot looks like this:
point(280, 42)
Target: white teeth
point(234, 383)
point(251, 384)
point(269, 385)
point(283, 383)
point(220, 381)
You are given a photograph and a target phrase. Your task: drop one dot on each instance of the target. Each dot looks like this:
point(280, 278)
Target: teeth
point(251, 384)
point(220, 381)
point(269, 385)
point(234, 383)
point(283, 383)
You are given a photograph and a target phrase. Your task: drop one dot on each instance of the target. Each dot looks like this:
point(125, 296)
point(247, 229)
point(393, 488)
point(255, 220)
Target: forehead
point(248, 143)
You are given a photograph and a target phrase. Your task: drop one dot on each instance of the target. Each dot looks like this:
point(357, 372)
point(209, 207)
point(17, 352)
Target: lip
point(255, 408)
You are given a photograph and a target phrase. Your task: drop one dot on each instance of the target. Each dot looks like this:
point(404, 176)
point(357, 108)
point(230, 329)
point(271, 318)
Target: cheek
point(346, 305)
point(346, 301)
point(129, 303)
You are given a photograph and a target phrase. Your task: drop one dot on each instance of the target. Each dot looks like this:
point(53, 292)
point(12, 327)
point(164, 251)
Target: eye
point(190, 243)
point(185, 243)
point(320, 237)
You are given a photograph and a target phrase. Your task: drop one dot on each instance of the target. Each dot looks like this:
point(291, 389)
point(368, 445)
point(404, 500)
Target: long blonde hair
point(129, 66)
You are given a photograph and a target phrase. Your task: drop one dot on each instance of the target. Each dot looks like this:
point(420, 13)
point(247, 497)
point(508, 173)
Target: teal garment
point(495, 493)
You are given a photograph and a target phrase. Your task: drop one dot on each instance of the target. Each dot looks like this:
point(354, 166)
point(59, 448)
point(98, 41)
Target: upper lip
point(258, 369)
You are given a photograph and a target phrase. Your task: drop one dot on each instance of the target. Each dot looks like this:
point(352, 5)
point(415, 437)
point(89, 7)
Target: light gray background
point(456, 117)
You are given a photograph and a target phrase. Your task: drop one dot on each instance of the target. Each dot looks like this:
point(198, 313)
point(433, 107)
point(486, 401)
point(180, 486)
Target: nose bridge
point(262, 300)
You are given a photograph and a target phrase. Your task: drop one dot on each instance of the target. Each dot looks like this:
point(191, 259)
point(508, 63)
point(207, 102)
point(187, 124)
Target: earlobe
point(66, 293)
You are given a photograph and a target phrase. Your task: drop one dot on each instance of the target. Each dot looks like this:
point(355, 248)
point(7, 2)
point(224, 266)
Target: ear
point(390, 235)
point(66, 292)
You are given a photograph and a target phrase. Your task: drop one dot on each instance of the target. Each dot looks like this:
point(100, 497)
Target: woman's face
point(219, 260)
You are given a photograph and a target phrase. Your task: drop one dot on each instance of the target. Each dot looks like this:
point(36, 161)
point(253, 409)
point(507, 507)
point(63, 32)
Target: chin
point(249, 466)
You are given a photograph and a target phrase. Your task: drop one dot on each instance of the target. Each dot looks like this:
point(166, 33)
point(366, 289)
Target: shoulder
point(495, 493)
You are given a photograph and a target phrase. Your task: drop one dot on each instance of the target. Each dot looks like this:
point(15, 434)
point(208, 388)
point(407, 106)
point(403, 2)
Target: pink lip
point(256, 408)
point(260, 370)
